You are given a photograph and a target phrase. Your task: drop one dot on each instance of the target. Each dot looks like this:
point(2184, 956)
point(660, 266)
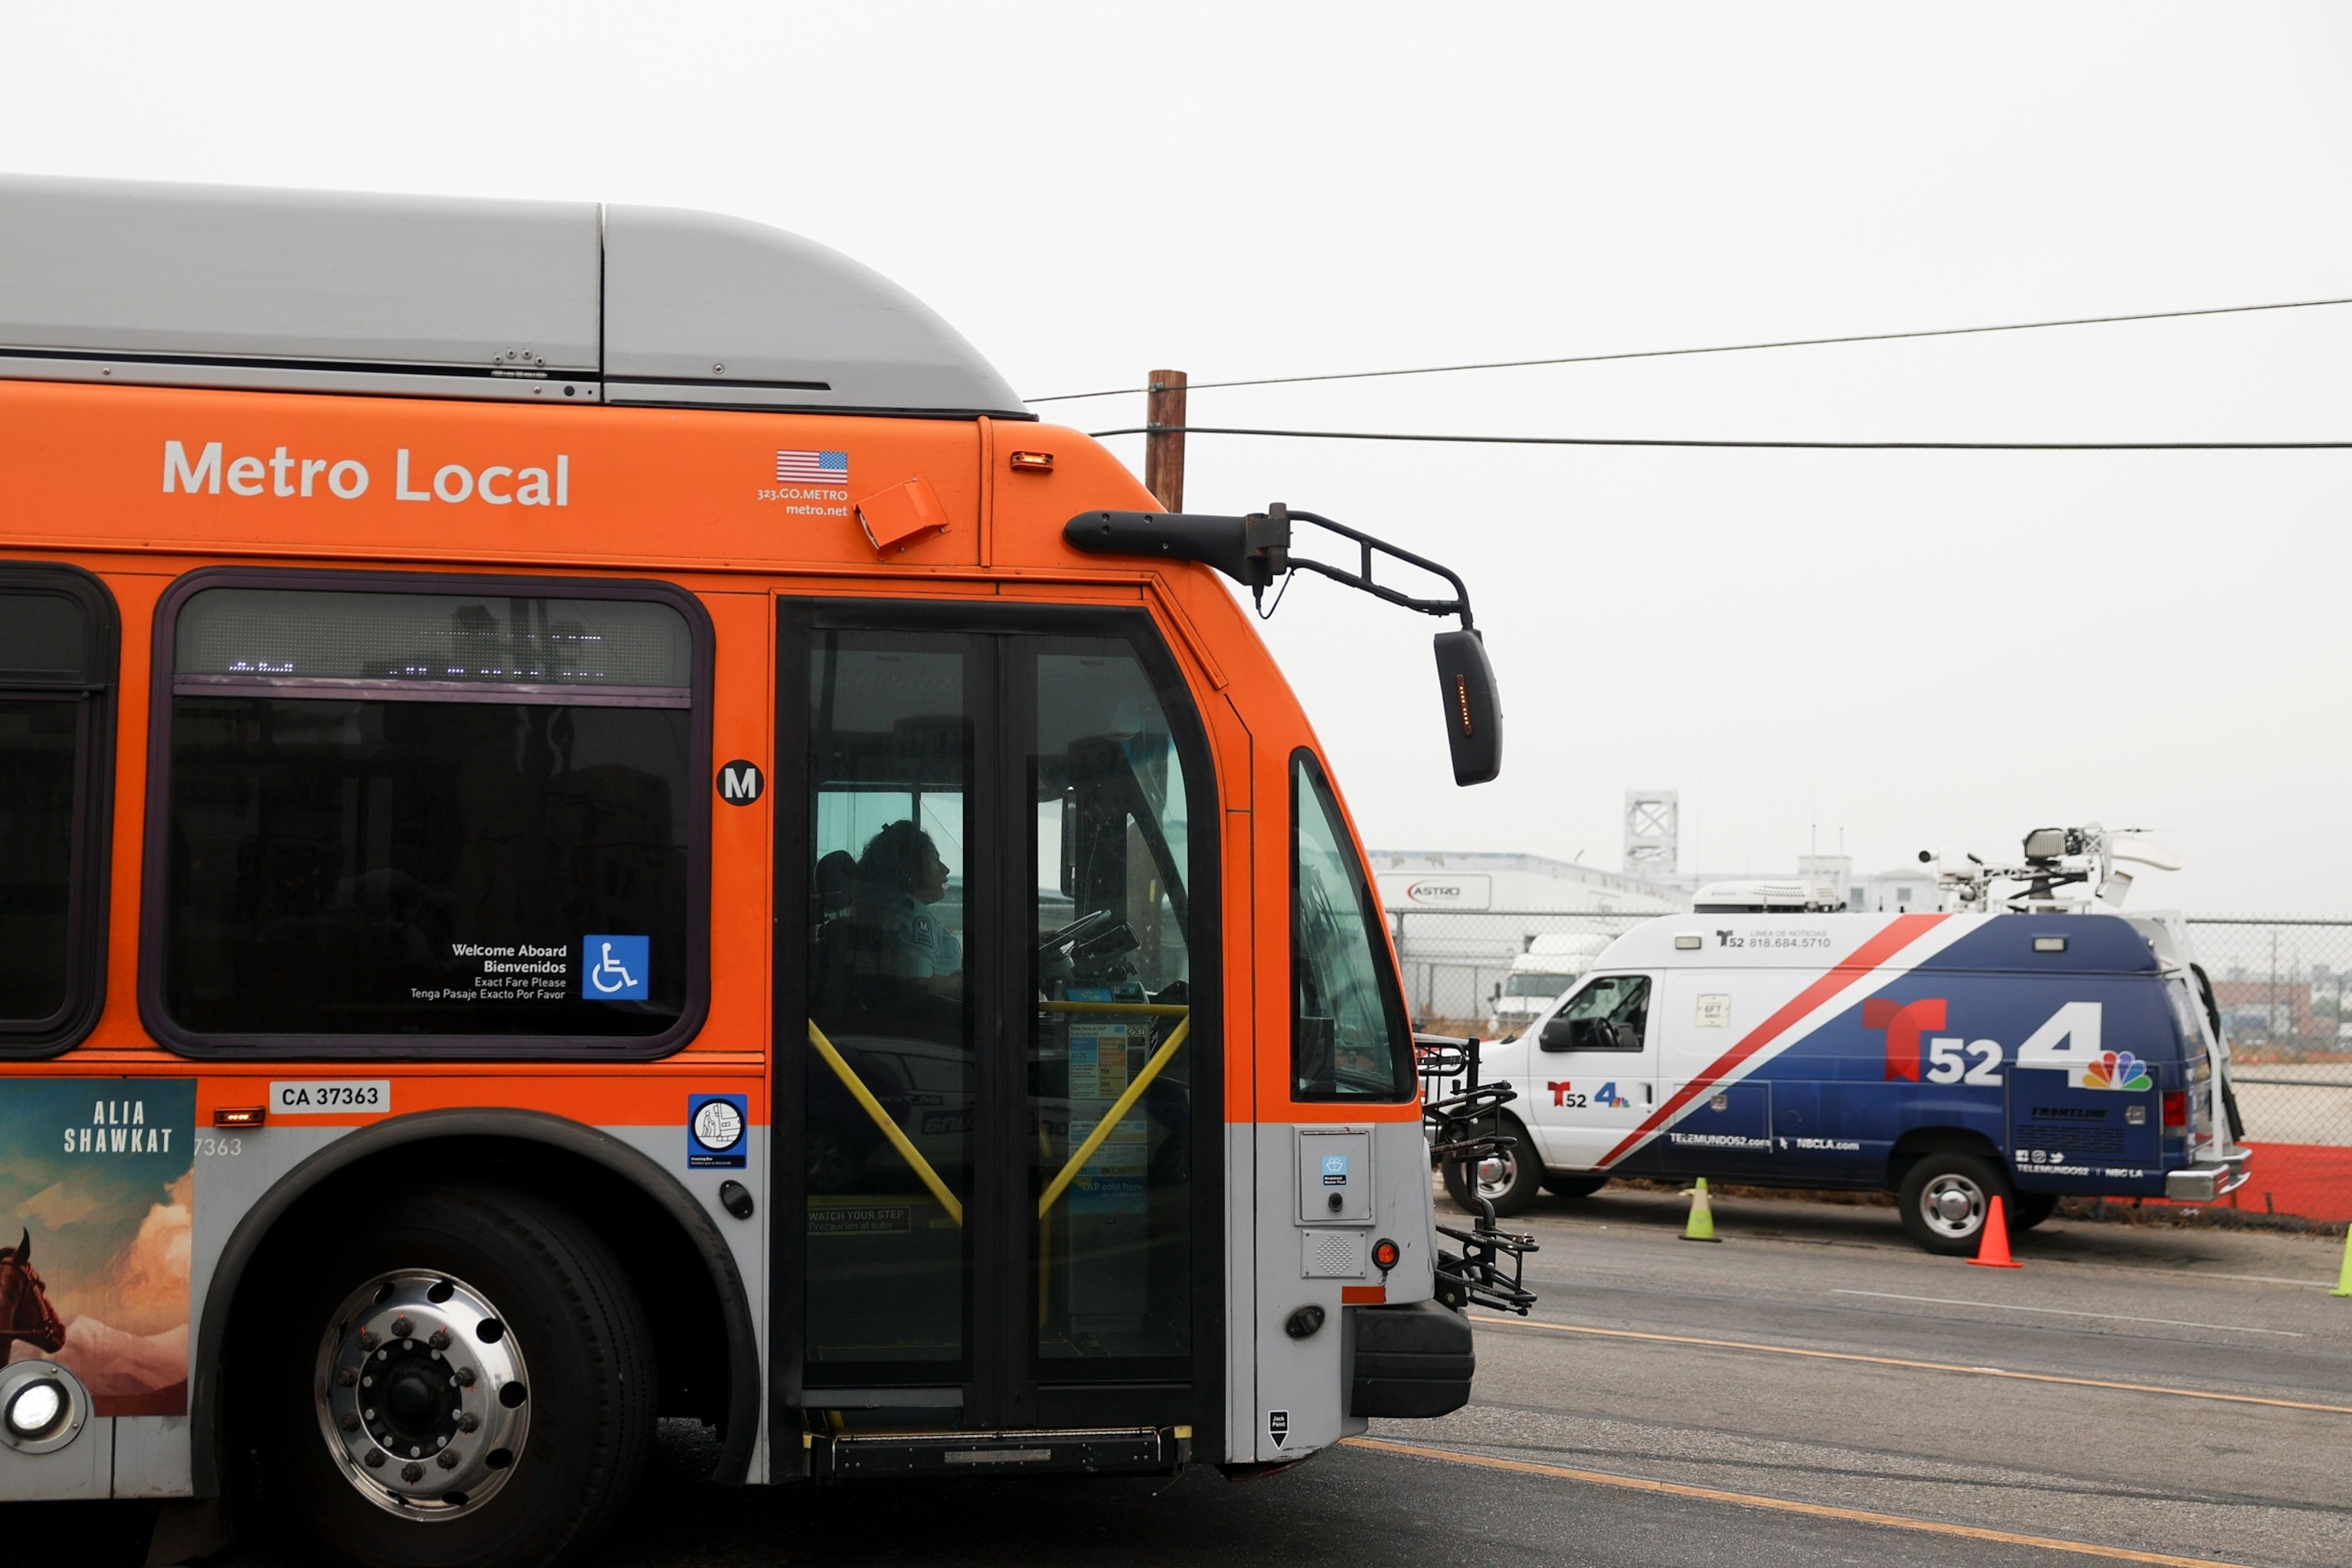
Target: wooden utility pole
point(1163, 446)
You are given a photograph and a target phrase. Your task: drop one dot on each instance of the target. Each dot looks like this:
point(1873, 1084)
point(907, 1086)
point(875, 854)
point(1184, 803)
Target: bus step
point(1100, 1451)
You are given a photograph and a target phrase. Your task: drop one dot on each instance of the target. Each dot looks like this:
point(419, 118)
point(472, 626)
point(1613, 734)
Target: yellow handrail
point(1125, 1103)
point(882, 1119)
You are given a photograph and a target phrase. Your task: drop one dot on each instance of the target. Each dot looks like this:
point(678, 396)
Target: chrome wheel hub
point(422, 1395)
point(1953, 1207)
point(1496, 1173)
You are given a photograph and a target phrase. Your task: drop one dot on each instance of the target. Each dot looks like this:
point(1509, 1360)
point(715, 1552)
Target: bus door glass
point(997, 1129)
point(890, 1076)
point(1593, 1070)
point(1109, 1074)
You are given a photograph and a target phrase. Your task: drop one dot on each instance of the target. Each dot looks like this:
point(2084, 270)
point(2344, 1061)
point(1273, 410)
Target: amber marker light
point(241, 1115)
point(1033, 462)
point(1385, 1255)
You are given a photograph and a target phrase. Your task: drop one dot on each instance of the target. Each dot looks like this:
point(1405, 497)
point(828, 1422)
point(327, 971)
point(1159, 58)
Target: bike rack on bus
point(1467, 1126)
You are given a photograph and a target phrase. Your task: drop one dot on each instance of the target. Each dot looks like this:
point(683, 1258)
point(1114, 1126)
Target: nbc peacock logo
point(2116, 1070)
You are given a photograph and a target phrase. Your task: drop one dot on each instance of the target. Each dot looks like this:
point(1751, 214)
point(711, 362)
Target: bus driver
point(899, 877)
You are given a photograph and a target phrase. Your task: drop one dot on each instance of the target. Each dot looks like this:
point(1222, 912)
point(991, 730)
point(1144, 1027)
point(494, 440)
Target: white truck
point(1552, 963)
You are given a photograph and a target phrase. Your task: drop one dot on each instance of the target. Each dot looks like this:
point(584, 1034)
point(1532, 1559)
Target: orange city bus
point(595, 825)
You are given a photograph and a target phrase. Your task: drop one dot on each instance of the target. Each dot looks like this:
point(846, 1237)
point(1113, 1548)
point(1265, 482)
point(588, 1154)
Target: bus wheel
point(1944, 1198)
point(1509, 1179)
point(1570, 1185)
point(464, 1377)
point(2027, 1210)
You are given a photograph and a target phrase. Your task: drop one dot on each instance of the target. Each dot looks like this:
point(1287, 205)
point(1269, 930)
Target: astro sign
point(1455, 893)
point(285, 475)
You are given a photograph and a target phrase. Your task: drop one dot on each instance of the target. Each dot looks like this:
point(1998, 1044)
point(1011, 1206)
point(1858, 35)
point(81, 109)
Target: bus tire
point(1510, 1180)
point(1944, 1199)
point(518, 1446)
point(1573, 1184)
point(2027, 1210)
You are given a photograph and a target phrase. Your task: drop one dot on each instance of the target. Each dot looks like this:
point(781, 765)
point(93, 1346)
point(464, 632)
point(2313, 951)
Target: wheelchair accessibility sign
point(616, 968)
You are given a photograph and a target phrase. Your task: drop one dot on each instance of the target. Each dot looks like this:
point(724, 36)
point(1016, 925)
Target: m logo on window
point(616, 968)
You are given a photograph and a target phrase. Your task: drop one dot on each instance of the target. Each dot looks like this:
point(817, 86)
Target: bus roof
point(125, 281)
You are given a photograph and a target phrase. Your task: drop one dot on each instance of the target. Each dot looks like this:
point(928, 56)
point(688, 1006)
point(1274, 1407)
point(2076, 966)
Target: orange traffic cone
point(1992, 1252)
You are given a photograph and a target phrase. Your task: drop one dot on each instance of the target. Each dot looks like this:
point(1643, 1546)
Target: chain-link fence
point(2283, 986)
point(2280, 986)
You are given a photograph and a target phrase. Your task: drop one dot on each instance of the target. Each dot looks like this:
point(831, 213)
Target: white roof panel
point(115, 267)
point(225, 285)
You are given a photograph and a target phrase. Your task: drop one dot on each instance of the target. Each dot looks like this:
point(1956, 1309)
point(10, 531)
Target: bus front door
point(990, 1215)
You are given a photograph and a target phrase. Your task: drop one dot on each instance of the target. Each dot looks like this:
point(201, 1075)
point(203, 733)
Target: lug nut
point(367, 1339)
point(402, 1328)
point(375, 1458)
point(348, 1378)
point(448, 1459)
point(412, 1474)
point(464, 1377)
point(439, 1340)
point(350, 1421)
point(468, 1422)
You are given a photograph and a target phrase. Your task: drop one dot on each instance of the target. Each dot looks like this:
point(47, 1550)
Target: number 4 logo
point(2069, 1040)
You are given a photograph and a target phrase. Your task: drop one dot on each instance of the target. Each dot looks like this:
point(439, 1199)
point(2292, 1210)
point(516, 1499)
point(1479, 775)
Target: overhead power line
point(1716, 349)
point(1695, 441)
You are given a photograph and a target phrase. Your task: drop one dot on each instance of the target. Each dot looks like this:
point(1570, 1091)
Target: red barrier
point(2312, 1180)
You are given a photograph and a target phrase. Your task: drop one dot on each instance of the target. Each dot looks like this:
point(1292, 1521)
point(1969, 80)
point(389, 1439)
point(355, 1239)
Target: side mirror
point(1558, 1034)
point(1474, 713)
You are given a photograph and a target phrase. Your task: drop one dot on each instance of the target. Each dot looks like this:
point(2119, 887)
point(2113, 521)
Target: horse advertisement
point(96, 1197)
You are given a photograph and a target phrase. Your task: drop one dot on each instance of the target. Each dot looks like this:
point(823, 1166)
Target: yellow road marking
point(1785, 1505)
point(1919, 1366)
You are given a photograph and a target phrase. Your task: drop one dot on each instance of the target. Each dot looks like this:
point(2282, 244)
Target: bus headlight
point(43, 1407)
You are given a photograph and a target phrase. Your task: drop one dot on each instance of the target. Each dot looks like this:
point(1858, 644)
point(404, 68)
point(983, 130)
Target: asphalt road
point(1945, 1400)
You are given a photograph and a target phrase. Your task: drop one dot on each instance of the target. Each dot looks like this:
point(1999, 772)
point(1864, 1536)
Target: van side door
point(1593, 1072)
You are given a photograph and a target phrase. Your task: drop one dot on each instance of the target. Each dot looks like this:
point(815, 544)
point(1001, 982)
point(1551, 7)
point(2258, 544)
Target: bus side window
point(58, 637)
point(1349, 1039)
point(460, 812)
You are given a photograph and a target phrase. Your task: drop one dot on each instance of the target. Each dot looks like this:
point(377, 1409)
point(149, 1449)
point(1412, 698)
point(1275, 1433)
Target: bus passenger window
point(56, 663)
point(425, 815)
point(1348, 1039)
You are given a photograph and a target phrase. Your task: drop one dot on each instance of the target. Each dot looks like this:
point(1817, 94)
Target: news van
point(2028, 1053)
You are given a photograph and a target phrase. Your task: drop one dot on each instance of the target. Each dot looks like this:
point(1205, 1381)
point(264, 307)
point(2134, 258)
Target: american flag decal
point(812, 468)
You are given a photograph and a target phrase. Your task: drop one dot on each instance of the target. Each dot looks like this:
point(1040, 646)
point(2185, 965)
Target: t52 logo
point(1567, 1095)
point(1903, 1021)
point(1945, 1062)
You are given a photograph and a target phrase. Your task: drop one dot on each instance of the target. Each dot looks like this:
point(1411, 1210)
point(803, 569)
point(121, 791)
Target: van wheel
point(1508, 1180)
point(455, 1377)
point(1944, 1198)
point(2027, 1210)
point(1570, 1185)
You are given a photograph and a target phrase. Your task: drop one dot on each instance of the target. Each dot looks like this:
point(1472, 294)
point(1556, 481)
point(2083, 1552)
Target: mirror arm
point(1255, 551)
point(1361, 578)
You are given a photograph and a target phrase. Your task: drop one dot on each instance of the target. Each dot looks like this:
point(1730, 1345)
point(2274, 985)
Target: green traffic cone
point(1702, 1220)
point(2344, 1280)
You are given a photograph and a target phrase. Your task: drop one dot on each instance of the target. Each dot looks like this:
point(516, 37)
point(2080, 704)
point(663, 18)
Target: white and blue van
point(1947, 1057)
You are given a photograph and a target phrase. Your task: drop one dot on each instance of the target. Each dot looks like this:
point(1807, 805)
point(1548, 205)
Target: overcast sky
point(1904, 649)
